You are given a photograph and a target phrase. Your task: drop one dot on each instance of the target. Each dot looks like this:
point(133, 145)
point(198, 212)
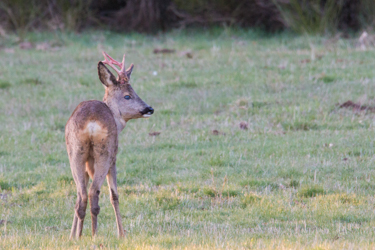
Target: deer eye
point(127, 97)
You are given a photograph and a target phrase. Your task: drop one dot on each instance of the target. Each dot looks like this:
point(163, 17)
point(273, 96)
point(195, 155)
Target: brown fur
point(91, 135)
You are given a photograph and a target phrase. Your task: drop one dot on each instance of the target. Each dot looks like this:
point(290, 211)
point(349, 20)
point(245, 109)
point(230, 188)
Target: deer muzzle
point(147, 112)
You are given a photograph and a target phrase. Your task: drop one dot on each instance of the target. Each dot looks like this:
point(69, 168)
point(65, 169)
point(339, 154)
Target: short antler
point(122, 73)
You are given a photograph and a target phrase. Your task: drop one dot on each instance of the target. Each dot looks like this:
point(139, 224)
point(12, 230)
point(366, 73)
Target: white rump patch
point(94, 128)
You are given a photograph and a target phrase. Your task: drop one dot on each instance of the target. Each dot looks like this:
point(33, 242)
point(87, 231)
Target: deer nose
point(147, 111)
point(151, 110)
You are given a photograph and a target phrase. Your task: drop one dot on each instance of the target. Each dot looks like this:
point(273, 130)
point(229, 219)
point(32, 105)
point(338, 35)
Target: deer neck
point(120, 122)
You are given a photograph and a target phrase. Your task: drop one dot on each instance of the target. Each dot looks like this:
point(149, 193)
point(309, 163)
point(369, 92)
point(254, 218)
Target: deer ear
point(129, 70)
point(106, 76)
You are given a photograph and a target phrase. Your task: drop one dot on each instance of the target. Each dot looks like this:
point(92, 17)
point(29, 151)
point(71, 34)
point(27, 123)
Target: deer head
point(119, 94)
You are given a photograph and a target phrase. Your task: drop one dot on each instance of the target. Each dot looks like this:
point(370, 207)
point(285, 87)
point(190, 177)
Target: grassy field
point(301, 175)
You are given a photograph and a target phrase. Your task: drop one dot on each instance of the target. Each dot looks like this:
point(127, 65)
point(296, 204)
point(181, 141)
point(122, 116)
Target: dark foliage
point(155, 15)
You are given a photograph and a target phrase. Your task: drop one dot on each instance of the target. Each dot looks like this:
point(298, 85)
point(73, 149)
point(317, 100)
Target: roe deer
point(91, 135)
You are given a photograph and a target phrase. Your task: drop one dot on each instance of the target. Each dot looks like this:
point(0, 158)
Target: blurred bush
point(324, 16)
point(311, 16)
point(23, 16)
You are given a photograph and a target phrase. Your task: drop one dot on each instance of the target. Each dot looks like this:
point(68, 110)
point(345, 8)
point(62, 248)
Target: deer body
point(91, 135)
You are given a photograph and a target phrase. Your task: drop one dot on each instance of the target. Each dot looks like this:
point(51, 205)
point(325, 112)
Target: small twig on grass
point(357, 107)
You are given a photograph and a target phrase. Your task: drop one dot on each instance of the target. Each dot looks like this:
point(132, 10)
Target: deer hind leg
point(112, 183)
point(74, 227)
point(81, 210)
point(101, 167)
point(80, 206)
point(81, 180)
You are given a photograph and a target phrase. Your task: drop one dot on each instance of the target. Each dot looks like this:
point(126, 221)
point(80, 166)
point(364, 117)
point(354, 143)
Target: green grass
point(301, 176)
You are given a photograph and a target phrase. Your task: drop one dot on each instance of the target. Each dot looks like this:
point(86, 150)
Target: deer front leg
point(112, 183)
